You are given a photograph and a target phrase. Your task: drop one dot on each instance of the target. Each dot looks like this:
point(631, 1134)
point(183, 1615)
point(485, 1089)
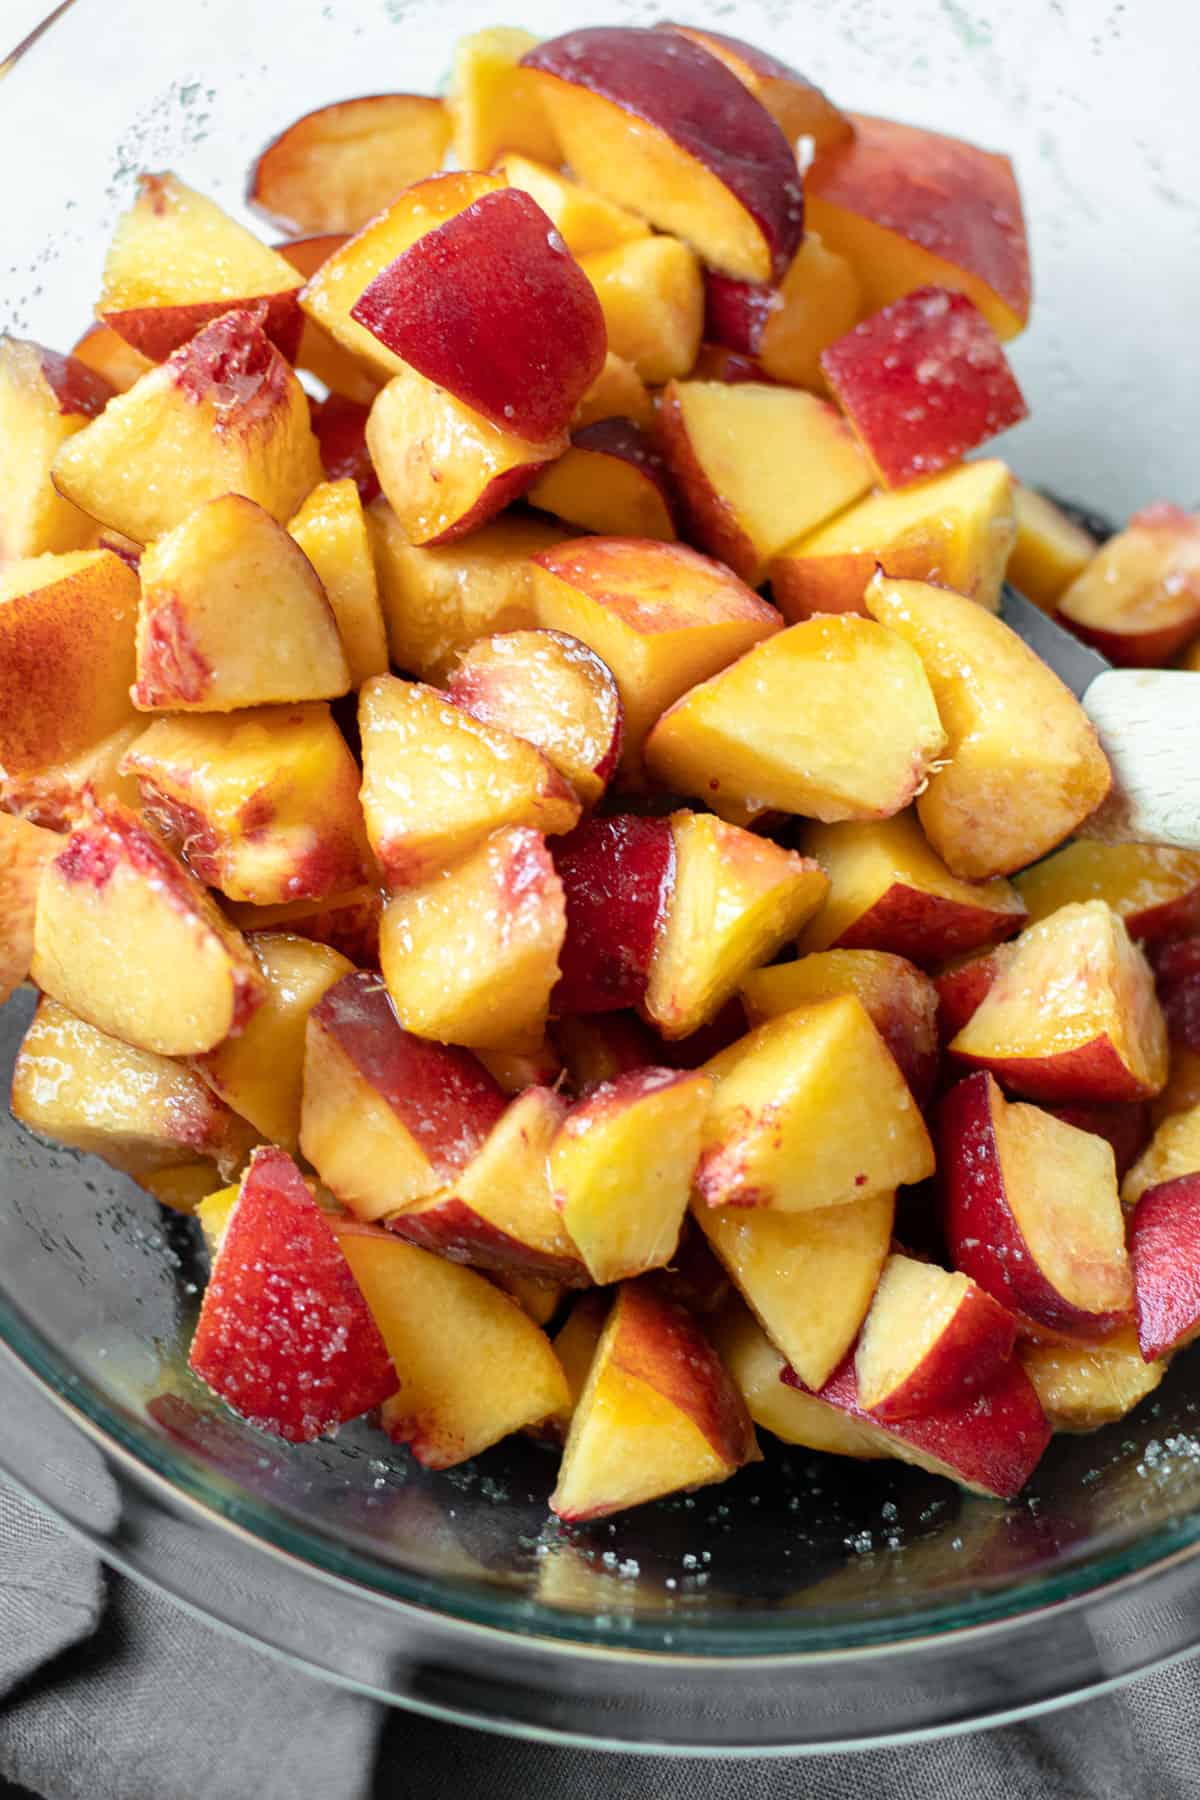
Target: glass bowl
point(807, 1603)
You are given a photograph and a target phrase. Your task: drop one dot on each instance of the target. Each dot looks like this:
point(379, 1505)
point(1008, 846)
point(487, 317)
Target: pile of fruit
point(680, 994)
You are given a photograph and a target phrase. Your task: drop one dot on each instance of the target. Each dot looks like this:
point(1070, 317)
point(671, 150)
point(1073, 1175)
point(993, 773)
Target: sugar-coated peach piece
point(1154, 888)
point(1051, 549)
point(45, 399)
point(621, 1166)
point(955, 529)
point(1164, 1242)
point(24, 851)
point(1125, 1125)
point(618, 392)
point(618, 874)
point(1138, 600)
point(348, 922)
point(807, 1277)
point(661, 617)
point(793, 1414)
point(331, 530)
point(333, 169)
point(756, 465)
point(436, 782)
point(127, 939)
point(107, 353)
point(387, 1117)
point(810, 1111)
point(1083, 1386)
point(494, 103)
point(734, 901)
point(611, 480)
point(651, 292)
point(1031, 1212)
point(598, 1047)
point(785, 328)
point(1174, 1150)
point(1023, 766)
point(223, 415)
point(909, 207)
point(55, 796)
point(796, 104)
point(585, 221)
point(784, 727)
point(932, 1338)
point(658, 1412)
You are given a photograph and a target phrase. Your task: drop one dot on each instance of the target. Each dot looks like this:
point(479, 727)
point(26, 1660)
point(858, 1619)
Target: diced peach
point(1124, 1125)
point(1024, 766)
point(45, 399)
point(792, 1414)
point(539, 1300)
point(494, 103)
point(611, 480)
point(618, 874)
point(331, 530)
point(784, 726)
point(1155, 889)
point(618, 392)
point(575, 1344)
point(1138, 599)
point(107, 352)
point(1083, 1386)
point(187, 1187)
point(24, 851)
point(796, 104)
point(54, 796)
point(351, 384)
point(1173, 1151)
point(931, 1339)
point(810, 1111)
point(335, 168)
point(1050, 551)
point(785, 328)
point(1176, 964)
point(651, 292)
point(347, 922)
point(585, 221)
point(598, 1047)
point(1164, 1242)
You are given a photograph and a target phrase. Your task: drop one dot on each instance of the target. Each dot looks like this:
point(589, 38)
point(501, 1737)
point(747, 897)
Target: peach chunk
point(45, 399)
point(611, 480)
point(335, 168)
point(348, 922)
point(930, 1339)
point(498, 1213)
point(340, 427)
point(494, 103)
point(955, 529)
point(784, 726)
point(436, 782)
point(1164, 1236)
point(54, 796)
point(260, 1073)
point(618, 874)
point(24, 851)
point(660, 125)
point(233, 614)
point(618, 392)
point(223, 415)
point(575, 1344)
point(793, 1414)
point(796, 104)
point(909, 207)
point(785, 328)
point(450, 1405)
point(810, 1111)
point(734, 901)
point(621, 1165)
point(585, 221)
point(1155, 889)
point(1173, 1151)
point(1024, 767)
point(658, 1412)
point(651, 292)
point(351, 384)
point(661, 617)
point(1072, 1015)
point(808, 1277)
point(1050, 551)
point(177, 262)
point(107, 353)
point(1083, 1386)
point(331, 529)
point(387, 1117)
point(1138, 599)
point(142, 1113)
point(471, 955)
point(554, 692)
point(756, 465)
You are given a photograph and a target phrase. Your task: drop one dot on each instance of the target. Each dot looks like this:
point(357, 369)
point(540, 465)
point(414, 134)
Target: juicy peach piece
point(55, 796)
point(335, 168)
point(494, 103)
point(783, 727)
point(1156, 890)
point(177, 262)
point(349, 381)
point(617, 873)
point(436, 782)
point(611, 480)
point(539, 1300)
point(347, 922)
point(127, 939)
point(796, 104)
point(24, 851)
point(45, 399)
point(232, 615)
point(109, 355)
point(810, 1111)
point(792, 1414)
point(575, 1345)
point(1073, 1014)
point(618, 392)
point(658, 1412)
point(1081, 1387)
point(223, 415)
point(786, 327)
point(651, 292)
point(621, 1166)
point(755, 466)
point(1125, 1126)
point(1162, 1242)
point(1024, 766)
point(331, 530)
point(585, 221)
point(734, 901)
point(955, 529)
point(930, 1339)
point(1138, 599)
point(1050, 550)
point(1173, 1151)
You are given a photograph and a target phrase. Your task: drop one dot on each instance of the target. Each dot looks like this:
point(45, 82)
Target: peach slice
point(612, 480)
point(107, 353)
point(756, 465)
point(796, 104)
point(955, 529)
point(792, 1414)
point(1138, 599)
point(45, 399)
point(1024, 766)
point(1050, 551)
point(661, 617)
point(901, 1002)
point(177, 262)
point(331, 529)
point(910, 207)
point(1176, 963)
point(807, 1277)
point(25, 850)
point(810, 1111)
point(890, 892)
point(1083, 1386)
point(658, 1412)
point(347, 922)
point(618, 392)
point(783, 726)
point(963, 984)
point(450, 1406)
point(931, 1339)
point(1156, 890)
point(618, 874)
point(585, 221)
point(1031, 1212)
point(436, 782)
point(621, 1166)
point(233, 615)
point(1174, 1150)
point(1164, 1242)
point(335, 168)
point(657, 123)
point(223, 415)
point(539, 1300)
point(494, 103)
point(471, 955)
point(260, 1073)
point(387, 1117)
point(1072, 1015)
point(598, 1047)
point(54, 796)
point(1125, 1126)
point(142, 1113)
point(785, 328)
point(734, 901)
point(499, 1212)
point(651, 292)
point(551, 690)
